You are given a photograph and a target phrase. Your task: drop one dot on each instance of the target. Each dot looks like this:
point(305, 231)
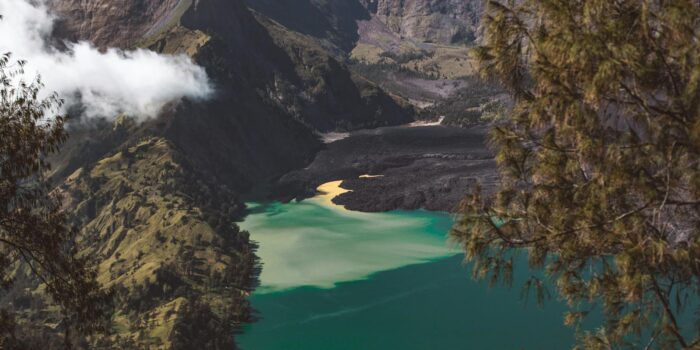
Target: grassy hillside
point(162, 235)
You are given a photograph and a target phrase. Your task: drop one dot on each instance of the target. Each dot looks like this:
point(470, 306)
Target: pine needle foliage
point(600, 163)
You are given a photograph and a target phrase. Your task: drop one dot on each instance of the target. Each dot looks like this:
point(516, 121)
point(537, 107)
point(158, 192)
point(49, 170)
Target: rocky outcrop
point(283, 65)
point(327, 96)
point(438, 21)
point(332, 23)
point(426, 167)
point(238, 135)
point(120, 23)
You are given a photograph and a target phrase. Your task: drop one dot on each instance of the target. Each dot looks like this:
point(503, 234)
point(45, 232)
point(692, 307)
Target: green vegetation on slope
point(163, 237)
point(35, 240)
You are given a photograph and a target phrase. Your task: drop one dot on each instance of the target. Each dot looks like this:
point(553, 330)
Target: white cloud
point(137, 83)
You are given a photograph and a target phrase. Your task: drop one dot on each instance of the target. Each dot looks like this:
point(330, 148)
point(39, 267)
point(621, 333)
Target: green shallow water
point(311, 244)
point(334, 279)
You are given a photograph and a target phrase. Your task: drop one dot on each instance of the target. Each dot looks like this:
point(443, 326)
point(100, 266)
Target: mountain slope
point(332, 23)
point(416, 50)
point(436, 21)
point(329, 96)
point(161, 234)
point(237, 135)
point(272, 93)
point(156, 201)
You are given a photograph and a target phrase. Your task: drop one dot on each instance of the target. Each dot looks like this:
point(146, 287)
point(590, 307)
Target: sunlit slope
point(163, 237)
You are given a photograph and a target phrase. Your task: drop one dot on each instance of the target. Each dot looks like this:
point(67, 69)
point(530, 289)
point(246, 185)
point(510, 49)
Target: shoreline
point(426, 167)
point(329, 191)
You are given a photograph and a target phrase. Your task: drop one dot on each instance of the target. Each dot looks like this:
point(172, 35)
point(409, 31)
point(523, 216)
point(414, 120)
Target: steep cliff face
point(272, 93)
point(438, 21)
point(327, 95)
point(120, 23)
point(237, 135)
point(333, 23)
point(417, 50)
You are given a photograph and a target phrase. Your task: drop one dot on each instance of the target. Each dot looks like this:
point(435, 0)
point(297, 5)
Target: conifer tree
point(34, 234)
point(599, 162)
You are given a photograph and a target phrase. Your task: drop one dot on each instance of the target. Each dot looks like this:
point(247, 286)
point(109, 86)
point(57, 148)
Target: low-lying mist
point(103, 84)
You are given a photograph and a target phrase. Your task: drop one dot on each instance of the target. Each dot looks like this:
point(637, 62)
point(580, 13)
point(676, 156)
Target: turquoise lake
point(335, 279)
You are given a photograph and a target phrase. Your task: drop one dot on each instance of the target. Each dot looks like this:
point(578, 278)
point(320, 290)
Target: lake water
point(335, 279)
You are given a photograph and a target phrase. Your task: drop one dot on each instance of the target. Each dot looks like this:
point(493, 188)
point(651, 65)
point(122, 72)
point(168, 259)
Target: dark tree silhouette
point(33, 230)
point(600, 163)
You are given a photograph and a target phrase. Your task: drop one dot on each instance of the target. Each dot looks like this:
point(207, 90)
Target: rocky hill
point(332, 23)
point(162, 236)
point(435, 21)
point(268, 78)
point(336, 22)
point(155, 202)
point(417, 50)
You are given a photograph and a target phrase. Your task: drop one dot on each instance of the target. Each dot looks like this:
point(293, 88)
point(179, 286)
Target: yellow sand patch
point(330, 190)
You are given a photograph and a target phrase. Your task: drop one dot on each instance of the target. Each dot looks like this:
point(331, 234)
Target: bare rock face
point(246, 137)
point(332, 22)
point(120, 23)
point(260, 123)
point(430, 167)
point(439, 21)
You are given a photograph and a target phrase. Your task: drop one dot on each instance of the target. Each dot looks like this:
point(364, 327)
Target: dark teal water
point(426, 306)
point(334, 279)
